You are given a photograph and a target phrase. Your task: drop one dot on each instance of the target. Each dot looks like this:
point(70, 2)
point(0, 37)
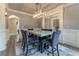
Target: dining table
point(40, 34)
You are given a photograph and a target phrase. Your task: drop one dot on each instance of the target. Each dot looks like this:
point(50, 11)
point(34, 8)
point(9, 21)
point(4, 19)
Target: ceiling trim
point(9, 9)
point(68, 4)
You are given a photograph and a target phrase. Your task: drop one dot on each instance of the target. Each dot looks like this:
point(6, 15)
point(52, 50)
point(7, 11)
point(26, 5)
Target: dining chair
point(46, 29)
point(54, 43)
point(27, 41)
point(23, 40)
point(30, 29)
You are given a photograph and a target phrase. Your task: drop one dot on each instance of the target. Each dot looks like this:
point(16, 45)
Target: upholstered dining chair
point(54, 43)
point(23, 40)
point(46, 29)
point(27, 41)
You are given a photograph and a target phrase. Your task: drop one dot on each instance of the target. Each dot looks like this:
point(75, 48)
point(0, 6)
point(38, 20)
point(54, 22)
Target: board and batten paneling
point(3, 31)
point(71, 25)
point(71, 37)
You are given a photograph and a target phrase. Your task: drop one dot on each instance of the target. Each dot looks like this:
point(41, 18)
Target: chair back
point(30, 29)
point(46, 29)
point(55, 39)
point(24, 35)
point(22, 32)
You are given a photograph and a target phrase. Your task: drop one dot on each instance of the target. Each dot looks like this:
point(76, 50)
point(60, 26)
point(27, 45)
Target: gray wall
point(71, 17)
point(26, 21)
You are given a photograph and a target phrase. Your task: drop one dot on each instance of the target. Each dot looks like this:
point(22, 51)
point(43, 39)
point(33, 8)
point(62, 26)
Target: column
point(43, 22)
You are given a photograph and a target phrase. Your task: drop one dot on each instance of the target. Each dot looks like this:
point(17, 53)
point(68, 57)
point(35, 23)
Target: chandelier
point(38, 12)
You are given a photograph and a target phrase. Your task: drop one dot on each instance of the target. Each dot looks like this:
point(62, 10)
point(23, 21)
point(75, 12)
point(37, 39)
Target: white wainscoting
point(71, 37)
point(3, 40)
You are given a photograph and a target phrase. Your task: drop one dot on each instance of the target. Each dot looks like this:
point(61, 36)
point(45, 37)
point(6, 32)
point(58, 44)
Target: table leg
point(40, 45)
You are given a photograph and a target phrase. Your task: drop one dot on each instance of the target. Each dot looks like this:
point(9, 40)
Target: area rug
point(64, 51)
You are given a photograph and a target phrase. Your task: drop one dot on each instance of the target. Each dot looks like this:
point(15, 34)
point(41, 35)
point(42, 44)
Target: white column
point(43, 22)
point(3, 32)
point(51, 22)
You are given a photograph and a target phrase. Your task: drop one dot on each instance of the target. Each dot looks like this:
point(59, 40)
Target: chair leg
point(52, 52)
point(42, 45)
point(57, 50)
point(33, 45)
point(22, 44)
point(26, 50)
point(23, 47)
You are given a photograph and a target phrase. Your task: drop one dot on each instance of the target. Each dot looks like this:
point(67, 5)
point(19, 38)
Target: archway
point(13, 26)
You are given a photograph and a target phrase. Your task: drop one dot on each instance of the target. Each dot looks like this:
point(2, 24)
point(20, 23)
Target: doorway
point(56, 23)
point(13, 26)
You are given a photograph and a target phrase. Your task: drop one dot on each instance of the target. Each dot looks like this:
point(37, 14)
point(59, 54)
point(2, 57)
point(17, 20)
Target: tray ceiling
point(31, 7)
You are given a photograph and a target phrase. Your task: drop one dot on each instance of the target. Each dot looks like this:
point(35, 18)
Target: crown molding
point(20, 12)
point(68, 5)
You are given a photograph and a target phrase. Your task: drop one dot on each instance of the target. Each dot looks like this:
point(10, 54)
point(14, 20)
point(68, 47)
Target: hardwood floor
point(71, 47)
point(2, 53)
point(10, 51)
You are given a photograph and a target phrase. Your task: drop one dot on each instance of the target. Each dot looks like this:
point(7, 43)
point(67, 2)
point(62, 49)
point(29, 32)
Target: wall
point(48, 23)
point(56, 13)
point(39, 21)
point(26, 20)
point(71, 17)
point(71, 25)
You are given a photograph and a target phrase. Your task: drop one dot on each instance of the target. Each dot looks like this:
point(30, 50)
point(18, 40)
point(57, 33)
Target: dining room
point(41, 29)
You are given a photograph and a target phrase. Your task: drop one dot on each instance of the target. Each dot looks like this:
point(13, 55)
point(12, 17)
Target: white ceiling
point(31, 7)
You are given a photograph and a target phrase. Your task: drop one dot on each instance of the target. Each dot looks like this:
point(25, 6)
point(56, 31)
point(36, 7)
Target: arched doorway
point(13, 26)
